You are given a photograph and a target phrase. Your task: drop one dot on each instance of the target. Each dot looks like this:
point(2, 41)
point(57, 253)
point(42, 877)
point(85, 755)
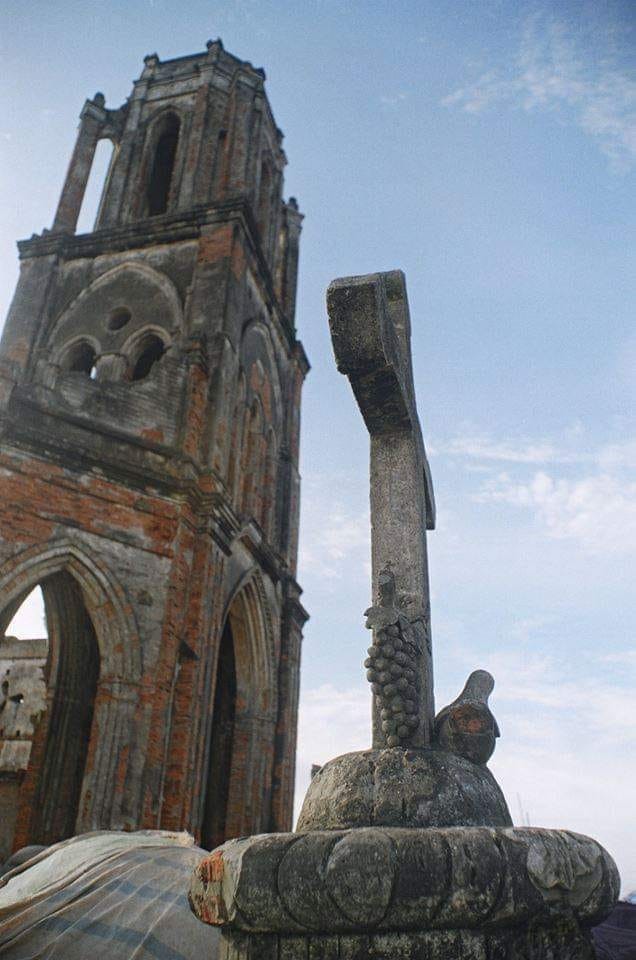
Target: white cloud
point(598, 511)
point(483, 447)
point(597, 508)
point(335, 540)
point(393, 100)
point(618, 456)
point(575, 70)
point(621, 658)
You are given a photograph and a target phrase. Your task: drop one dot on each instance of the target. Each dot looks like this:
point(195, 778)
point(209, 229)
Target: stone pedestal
point(406, 851)
point(407, 894)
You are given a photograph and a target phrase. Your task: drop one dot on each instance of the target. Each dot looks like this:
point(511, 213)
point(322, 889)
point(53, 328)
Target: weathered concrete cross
point(371, 334)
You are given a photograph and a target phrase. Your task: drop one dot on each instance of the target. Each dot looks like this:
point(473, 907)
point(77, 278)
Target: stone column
point(68, 209)
point(294, 221)
point(196, 138)
point(119, 201)
point(293, 620)
point(240, 134)
point(25, 315)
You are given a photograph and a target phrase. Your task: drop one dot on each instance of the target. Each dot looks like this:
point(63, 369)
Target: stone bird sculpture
point(466, 726)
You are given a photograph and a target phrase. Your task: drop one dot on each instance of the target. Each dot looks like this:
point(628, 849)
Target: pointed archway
point(93, 652)
point(238, 771)
point(72, 675)
point(49, 685)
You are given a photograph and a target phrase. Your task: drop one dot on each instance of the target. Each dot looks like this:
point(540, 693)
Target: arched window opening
point(221, 744)
point(118, 318)
point(96, 186)
point(81, 358)
point(238, 778)
point(23, 658)
point(150, 352)
point(158, 194)
point(53, 682)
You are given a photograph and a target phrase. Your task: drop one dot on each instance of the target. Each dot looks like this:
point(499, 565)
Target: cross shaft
point(371, 334)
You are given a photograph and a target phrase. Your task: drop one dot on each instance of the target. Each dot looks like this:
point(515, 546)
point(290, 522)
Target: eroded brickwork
point(150, 382)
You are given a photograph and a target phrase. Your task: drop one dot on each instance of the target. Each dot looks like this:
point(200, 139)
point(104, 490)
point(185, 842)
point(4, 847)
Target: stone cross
point(371, 334)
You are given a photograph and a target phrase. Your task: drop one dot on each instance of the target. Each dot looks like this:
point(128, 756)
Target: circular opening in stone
point(119, 318)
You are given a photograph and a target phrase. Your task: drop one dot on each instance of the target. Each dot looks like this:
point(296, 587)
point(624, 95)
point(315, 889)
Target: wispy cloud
point(335, 538)
point(578, 72)
point(621, 658)
point(484, 447)
point(581, 494)
point(597, 511)
point(392, 100)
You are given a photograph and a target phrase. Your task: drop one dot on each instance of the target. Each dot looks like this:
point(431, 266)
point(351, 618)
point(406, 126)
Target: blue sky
point(488, 149)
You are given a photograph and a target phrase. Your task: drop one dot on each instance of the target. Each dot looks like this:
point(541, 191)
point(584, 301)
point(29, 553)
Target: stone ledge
point(374, 879)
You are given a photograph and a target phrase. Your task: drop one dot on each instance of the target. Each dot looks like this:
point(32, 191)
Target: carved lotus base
point(407, 894)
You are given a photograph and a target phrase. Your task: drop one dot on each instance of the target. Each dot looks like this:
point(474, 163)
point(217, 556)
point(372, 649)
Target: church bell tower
point(150, 382)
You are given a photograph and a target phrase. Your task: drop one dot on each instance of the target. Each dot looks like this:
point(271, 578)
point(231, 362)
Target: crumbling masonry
point(150, 382)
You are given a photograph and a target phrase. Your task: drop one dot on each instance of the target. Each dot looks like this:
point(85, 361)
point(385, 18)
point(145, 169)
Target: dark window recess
point(153, 350)
point(163, 167)
point(81, 359)
point(118, 318)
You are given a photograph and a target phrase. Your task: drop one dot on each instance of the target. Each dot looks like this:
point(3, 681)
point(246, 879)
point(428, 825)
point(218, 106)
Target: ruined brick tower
point(150, 382)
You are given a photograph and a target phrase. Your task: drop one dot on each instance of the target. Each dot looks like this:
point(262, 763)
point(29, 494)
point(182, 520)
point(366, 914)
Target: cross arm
point(371, 334)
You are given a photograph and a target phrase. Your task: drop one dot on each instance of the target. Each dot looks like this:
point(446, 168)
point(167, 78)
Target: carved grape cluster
point(391, 671)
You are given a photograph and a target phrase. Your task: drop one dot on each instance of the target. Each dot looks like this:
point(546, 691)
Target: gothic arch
point(105, 599)
point(130, 273)
point(239, 764)
point(89, 611)
point(263, 352)
point(152, 130)
point(148, 296)
point(258, 651)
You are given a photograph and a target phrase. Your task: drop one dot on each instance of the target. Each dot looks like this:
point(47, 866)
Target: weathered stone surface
point(150, 392)
point(397, 787)
point(371, 334)
point(366, 880)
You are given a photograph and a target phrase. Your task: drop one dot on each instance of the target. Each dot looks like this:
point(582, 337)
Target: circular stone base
point(470, 892)
point(397, 787)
